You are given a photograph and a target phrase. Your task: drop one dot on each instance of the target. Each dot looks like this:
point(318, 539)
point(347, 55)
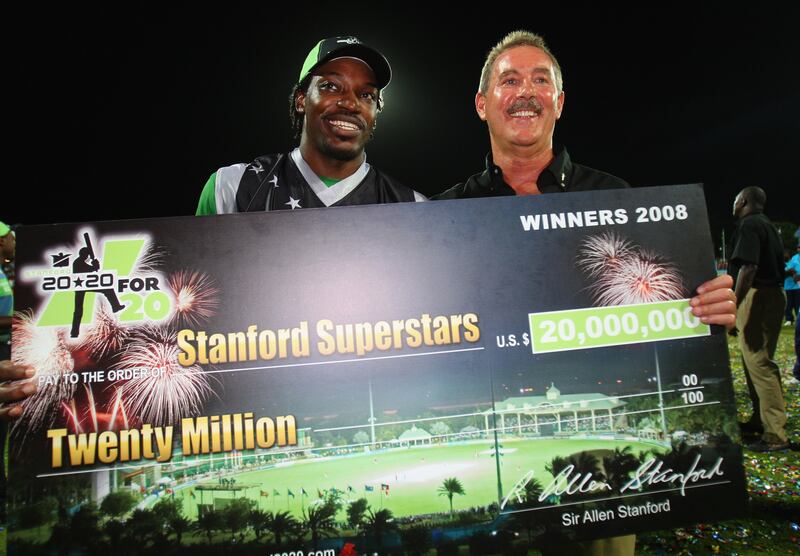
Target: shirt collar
point(555, 177)
point(336, 192)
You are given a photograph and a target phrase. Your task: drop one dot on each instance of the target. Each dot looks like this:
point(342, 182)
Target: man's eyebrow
point(538, 69)
point(340, 74)
point(508, 72)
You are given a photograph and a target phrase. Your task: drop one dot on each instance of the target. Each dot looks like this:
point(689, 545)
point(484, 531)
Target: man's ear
point(480, 105)
point(560, 105)
point(300, 102)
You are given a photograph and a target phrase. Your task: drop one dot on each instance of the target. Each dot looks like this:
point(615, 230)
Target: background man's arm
point(745, 280)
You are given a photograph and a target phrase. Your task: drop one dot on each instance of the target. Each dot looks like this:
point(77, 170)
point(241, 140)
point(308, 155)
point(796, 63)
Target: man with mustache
point(520, 97)
point(333, 109)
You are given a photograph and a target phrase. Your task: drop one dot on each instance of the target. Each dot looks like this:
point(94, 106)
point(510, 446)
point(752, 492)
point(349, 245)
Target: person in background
point(792, 287)
point(12, 389)
point(758, 268)
point(793, 272)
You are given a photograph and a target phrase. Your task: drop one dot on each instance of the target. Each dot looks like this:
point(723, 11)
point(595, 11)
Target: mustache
point(524, 104)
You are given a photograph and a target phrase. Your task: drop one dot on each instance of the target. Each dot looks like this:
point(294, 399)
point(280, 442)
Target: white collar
point(336, 192)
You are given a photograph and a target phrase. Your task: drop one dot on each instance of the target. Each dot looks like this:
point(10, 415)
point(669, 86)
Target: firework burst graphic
point(602, 254)
point(45, 350)
point(643, 278)
point(164, 397)
point(195, 297)
point(150, 260)
point(87, 416)
point(625, 274)
point(106, 336)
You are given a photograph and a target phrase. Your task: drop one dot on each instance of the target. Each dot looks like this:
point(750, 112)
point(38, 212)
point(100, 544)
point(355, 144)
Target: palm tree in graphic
point(320, 521)
point(449, 488)
point(281, 525)
point(379, 523)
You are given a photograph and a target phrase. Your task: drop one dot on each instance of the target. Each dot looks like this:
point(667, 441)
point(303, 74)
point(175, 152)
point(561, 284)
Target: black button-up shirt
point(560, 175)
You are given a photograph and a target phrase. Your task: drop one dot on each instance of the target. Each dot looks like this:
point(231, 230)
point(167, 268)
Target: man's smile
point(345, 124)
point(523, 108)
point(524, 114)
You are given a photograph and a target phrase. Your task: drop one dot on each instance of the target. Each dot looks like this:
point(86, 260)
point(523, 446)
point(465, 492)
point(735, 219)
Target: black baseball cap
point(339, 47)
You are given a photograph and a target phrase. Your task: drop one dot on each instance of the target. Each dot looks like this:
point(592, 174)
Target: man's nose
point(527, 88)
point(348, 101)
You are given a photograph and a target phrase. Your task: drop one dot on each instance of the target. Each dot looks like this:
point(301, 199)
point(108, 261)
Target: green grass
point(413, 475)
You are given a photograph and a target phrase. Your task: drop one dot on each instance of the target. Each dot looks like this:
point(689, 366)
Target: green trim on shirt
point(6, 305)
point(329, 181)
point(208, 198)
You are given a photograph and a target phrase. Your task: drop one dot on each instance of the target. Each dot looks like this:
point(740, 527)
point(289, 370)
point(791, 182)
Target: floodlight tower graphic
point(496, 440)
point(371, 411)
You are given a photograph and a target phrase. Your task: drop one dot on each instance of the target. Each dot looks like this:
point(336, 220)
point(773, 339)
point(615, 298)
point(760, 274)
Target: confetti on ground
point(773, 481)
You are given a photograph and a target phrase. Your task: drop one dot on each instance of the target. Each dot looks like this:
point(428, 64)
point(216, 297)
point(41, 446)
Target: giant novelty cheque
point(506, 371)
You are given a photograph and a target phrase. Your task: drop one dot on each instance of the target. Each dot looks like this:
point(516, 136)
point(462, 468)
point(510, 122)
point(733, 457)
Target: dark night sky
point(125, 115)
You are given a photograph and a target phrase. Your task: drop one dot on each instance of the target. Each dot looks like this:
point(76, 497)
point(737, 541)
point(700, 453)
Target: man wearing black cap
point(14, 386)
point(7, 245)
point(13, 378)
point(333, 109)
